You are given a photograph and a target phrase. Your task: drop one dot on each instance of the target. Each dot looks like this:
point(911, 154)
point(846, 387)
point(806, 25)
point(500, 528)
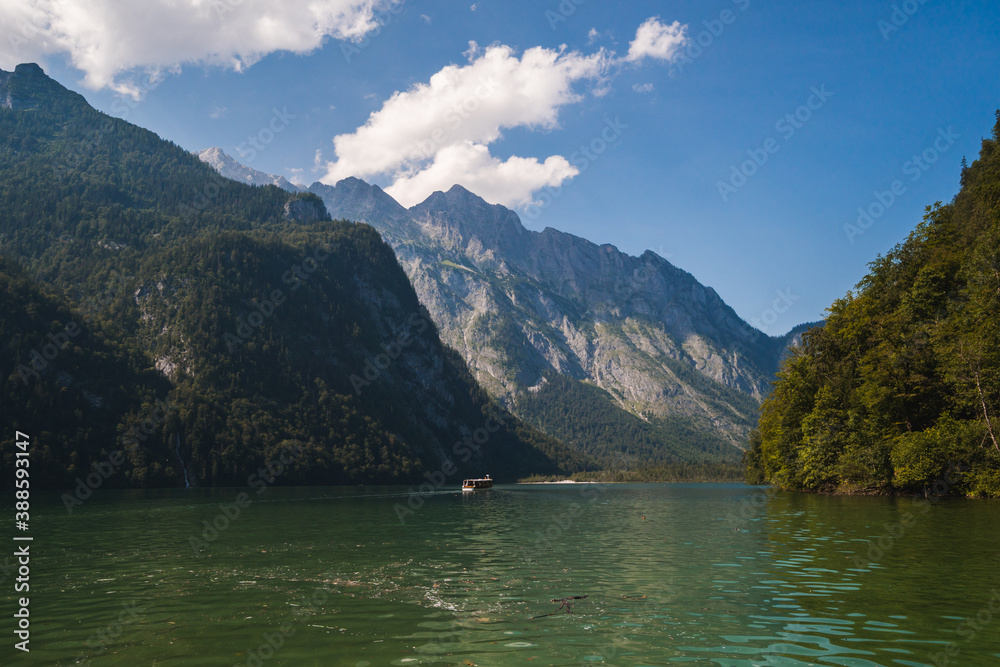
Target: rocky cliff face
point(521, 305)
point(305, 209)
point(6, 95)
point(18, 88)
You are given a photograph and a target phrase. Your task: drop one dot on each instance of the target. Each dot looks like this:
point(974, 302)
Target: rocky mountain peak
point(229, 167)
point(29, 69)
point(28, 87)
point(354, 199)
point(465, 220)
point(455, 196)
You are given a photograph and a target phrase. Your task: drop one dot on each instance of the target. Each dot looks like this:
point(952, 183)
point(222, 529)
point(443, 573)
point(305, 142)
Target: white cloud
point(657, 40)
point(218, 112)
point(592, 36)
point(438, 134)
point(106, 38)
point(643, 88)
point(471, 166)
point(421, 137)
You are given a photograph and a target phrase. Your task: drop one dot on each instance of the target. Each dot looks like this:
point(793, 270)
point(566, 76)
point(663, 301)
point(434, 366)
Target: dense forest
point(899, 391)
point(169, 327)
point(657, 472)
point(581, 415)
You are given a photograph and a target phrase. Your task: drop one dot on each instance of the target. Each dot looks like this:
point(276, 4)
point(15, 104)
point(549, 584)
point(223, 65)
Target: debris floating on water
point(565, 603)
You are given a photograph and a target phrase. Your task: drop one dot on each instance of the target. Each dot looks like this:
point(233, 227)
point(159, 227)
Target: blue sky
point(704, 165)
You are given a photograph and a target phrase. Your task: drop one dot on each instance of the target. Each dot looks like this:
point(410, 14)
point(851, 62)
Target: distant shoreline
point(650, 481)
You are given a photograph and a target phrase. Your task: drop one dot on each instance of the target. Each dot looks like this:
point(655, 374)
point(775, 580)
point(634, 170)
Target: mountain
point(163, 325)
point(899, 390)
point(227, 166)
point(67, 384)
point(657, 352)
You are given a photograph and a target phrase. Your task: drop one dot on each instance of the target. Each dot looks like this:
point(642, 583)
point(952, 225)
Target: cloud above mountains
point(107, 38)
point(429, 137)
point(438, 133)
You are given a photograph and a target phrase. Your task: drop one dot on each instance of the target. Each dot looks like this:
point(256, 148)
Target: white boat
point(477, 484)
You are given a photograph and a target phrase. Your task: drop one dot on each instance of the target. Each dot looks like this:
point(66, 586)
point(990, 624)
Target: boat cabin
point(477, 484)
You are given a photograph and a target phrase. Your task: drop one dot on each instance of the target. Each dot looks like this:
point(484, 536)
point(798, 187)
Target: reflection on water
point(662, 574)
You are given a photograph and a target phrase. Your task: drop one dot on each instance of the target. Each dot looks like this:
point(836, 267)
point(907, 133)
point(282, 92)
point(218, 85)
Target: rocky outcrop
point(15, 87)
point(306, 208)
point(6, 95)
point(226, 165)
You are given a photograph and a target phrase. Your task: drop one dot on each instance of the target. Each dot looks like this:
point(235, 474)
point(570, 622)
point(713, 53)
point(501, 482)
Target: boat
point(477, 484)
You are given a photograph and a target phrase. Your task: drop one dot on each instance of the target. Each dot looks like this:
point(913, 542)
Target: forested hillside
point(582, 416)
point(899, 390)
point(192, 328)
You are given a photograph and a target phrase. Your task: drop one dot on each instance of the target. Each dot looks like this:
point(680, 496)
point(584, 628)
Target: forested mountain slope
point(899, 390)
point(640, 345)
point(229, 323)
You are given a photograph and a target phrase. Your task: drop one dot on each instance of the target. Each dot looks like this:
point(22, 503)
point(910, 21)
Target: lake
point(666, 574)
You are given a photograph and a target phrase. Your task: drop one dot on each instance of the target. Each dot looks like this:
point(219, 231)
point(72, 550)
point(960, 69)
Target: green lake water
point(717, 574)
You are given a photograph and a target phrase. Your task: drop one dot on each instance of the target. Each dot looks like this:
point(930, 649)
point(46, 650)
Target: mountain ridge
point(245, 309)
point(223, 162)
point(519, 303)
